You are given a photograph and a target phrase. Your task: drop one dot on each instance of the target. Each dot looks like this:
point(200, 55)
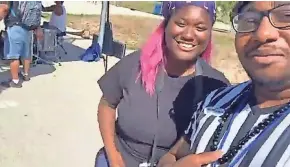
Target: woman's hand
point(198, 160)
point(116, 160)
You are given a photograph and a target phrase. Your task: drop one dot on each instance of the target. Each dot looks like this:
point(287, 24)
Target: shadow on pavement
point(73, 53)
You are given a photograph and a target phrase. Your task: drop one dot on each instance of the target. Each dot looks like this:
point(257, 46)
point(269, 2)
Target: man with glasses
point(246, 125)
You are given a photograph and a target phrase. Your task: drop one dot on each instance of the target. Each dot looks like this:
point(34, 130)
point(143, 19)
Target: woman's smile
point(185, 46)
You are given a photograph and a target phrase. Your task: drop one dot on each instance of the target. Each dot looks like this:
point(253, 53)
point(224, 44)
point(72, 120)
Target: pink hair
point(207, 53)
point(152, 57)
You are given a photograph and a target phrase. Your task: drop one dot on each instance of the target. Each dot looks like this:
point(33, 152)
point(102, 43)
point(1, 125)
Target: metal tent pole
point(107, 22)
point(102, 24)
point(103, 21)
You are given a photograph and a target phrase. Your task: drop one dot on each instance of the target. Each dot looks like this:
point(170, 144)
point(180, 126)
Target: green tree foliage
point(224, 8)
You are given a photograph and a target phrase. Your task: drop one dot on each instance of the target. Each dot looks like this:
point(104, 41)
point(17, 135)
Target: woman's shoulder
point(130, 59)
point(128, 65)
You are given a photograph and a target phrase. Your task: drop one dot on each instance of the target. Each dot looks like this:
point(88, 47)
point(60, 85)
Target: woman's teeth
point(186, 45)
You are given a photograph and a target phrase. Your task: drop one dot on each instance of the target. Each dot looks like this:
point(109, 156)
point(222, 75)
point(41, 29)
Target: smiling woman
point(154, 89)
point(187, 34)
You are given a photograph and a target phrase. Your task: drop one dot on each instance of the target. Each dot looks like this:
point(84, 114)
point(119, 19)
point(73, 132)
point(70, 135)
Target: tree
point(224, 9)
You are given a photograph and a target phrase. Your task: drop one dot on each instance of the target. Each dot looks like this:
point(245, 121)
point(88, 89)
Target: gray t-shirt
point(137, 121)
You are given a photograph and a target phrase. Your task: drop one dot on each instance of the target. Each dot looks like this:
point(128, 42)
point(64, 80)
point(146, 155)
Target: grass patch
point(134, 31)
point(131, 30)
point(144, 6)
point(45, 15)
point(224, 40)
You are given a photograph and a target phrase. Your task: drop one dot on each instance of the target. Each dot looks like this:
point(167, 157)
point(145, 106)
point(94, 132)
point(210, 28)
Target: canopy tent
point(108, 46)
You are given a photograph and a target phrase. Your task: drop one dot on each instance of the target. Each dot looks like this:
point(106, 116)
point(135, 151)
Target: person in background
point(22, 20)
point(4, 9)
point(58, 17)
point(153, 89)
point(246, 125)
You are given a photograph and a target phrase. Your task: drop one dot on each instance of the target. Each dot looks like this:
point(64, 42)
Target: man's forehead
point(263, 5)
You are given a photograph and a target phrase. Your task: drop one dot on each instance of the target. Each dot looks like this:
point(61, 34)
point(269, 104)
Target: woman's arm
point(57, 9)
point(106, 119)
point(112, 85)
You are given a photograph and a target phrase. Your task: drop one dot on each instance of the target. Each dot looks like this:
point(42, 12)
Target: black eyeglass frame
point(263, 14)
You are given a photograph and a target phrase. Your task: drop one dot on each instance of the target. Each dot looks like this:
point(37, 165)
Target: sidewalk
point(52, 120)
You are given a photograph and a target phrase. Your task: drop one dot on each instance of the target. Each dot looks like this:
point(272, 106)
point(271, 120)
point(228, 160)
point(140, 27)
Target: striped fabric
point(271, 150)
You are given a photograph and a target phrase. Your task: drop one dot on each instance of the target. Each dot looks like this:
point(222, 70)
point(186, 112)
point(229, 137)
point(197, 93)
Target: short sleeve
point(115, 80)
point(110, 85)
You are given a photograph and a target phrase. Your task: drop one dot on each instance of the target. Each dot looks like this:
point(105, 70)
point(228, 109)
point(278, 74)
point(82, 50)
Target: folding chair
point(49, 46)
point(118, 50)
point(60, 40)
point(46, 47)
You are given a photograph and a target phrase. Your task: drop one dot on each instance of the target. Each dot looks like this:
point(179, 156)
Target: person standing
point(22, 20)
point(58, 17)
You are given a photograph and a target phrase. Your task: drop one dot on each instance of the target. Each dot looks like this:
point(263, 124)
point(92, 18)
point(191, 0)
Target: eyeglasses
point(249, 21)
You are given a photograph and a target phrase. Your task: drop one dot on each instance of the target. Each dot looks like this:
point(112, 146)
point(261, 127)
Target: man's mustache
point(264, 49)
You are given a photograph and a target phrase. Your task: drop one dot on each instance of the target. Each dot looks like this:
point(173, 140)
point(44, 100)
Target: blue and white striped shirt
point(270, 150)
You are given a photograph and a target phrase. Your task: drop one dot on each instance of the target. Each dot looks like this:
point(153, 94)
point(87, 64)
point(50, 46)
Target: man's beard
point(270, 82)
